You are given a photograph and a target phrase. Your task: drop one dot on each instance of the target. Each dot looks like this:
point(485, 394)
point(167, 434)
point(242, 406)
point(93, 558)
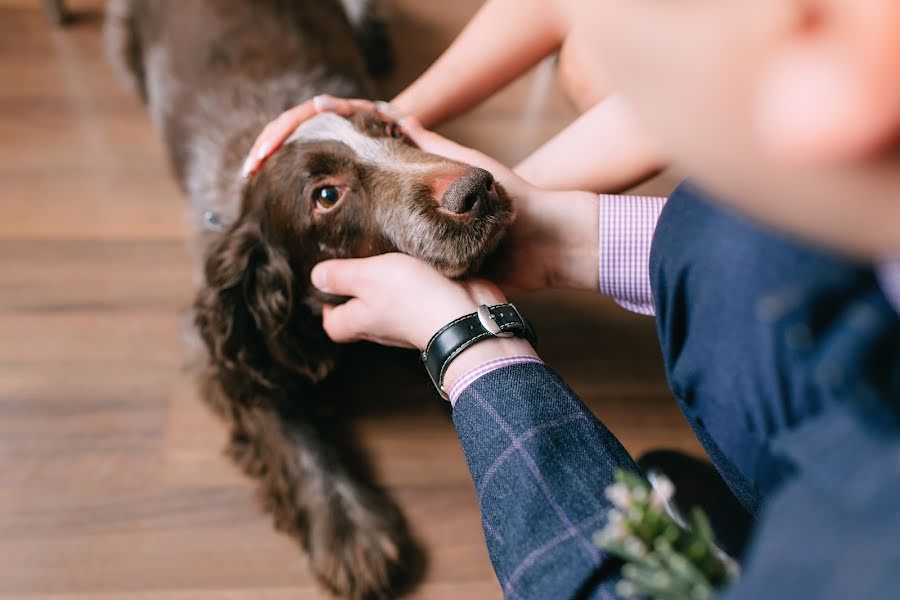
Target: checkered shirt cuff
point(627, 224)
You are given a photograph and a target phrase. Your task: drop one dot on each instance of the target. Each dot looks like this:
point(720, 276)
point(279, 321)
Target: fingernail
point(385, 108)
point(323, 103)
point(319, 277)
point(248, 166)
point(263, 151)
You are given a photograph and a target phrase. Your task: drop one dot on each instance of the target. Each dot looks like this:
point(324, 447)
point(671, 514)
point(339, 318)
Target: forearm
point(540, 461)
point(605, 150)
point(561, 229)
point(504, 39)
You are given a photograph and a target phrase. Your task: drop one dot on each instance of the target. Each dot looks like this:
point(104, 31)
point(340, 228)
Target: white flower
point(661, 497)
point(663, 489)
point(615, 529)
point(635, 547)
point(619, 495)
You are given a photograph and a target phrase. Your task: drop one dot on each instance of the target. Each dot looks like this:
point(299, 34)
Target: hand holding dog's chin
point(395, 299)
point(553, 241)
point(400, 301)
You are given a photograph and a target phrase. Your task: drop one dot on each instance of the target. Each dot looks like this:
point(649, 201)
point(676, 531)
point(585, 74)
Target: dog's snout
point(469, 193)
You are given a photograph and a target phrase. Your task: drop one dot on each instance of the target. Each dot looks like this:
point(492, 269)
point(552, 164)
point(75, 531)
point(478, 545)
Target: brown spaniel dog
point(213, 73)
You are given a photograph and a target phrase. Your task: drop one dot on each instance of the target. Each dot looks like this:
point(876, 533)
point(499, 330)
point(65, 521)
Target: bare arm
point(605, 150)
point(502, 41)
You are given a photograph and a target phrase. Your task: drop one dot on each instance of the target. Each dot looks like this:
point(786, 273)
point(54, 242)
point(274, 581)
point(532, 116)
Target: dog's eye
point(327, 196)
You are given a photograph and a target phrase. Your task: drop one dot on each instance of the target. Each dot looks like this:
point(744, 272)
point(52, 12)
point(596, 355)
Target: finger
point(342, 277)
point(275, 133)
point(380, 109)
point(387, 112)
point(428, 140)
point(347, 322)
point(280, 129)
point(341, 106)
point(360, 105)
point(434, 143)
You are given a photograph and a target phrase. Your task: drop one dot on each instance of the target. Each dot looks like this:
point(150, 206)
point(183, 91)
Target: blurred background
point(112, 479)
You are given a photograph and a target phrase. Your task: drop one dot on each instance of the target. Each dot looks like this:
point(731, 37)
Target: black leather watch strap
point(501, 320)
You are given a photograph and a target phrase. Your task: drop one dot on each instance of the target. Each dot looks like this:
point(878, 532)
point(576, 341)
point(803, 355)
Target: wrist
point(567, 235)
point(462, 300)
point(492, 332)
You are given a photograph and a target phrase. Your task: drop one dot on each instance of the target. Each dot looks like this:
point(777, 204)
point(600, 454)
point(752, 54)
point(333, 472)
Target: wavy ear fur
point(252, 317)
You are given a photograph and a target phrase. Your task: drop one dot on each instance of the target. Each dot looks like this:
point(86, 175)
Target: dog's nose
point(469, 193)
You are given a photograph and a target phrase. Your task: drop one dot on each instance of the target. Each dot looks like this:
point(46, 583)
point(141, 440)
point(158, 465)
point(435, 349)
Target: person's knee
point(724, 275)
point(738, 312)
point(703, 264)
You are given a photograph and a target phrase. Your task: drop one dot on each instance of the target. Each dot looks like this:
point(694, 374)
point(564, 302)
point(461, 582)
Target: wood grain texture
point(113, 484)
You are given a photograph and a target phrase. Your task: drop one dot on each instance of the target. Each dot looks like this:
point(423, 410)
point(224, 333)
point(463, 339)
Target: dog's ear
point(251, 315)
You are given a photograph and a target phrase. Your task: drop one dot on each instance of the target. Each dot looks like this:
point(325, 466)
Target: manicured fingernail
point(386, 109)
point(323, 103)
point(319, 278)
point(263, 151)
point(247, 168)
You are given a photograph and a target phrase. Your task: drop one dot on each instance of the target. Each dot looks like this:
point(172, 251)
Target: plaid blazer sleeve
point(540, 462)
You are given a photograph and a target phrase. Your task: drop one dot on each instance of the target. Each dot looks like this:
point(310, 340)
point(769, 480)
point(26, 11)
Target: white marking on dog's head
point(378, 152)
point(333, 127)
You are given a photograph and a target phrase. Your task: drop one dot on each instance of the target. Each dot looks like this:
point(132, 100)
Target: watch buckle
point(489, 324)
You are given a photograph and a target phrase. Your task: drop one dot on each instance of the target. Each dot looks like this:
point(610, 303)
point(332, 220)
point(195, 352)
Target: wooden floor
point(112, 482)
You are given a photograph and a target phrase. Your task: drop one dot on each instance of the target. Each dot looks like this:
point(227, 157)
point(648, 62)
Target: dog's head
point(339, 188)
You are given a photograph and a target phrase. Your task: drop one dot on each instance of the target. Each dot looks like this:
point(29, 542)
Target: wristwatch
point(500, 320)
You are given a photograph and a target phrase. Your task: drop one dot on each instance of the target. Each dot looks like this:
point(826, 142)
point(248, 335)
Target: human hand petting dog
point(552, 244)
point(395, 299)
point(554, 239)
point(398, 300)
point(280, 129)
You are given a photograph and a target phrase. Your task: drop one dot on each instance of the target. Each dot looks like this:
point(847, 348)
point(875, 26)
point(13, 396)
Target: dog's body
point(213, 73)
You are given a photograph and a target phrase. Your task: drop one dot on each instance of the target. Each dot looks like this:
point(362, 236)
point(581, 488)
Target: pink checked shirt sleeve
point(627, 224)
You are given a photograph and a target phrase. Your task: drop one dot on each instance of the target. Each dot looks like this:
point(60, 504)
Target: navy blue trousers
point(786, 362)
point(761, 335)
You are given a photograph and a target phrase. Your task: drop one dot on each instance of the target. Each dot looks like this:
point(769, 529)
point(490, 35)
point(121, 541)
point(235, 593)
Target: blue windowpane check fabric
point(785, 361)
point(540, 462)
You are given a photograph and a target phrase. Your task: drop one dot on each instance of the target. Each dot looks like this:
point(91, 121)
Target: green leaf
point(701, 527)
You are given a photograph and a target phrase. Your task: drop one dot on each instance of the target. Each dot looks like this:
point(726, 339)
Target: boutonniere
point(667, 557)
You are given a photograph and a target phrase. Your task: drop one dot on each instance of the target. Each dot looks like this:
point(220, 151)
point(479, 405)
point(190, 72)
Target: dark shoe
point(697, 483)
